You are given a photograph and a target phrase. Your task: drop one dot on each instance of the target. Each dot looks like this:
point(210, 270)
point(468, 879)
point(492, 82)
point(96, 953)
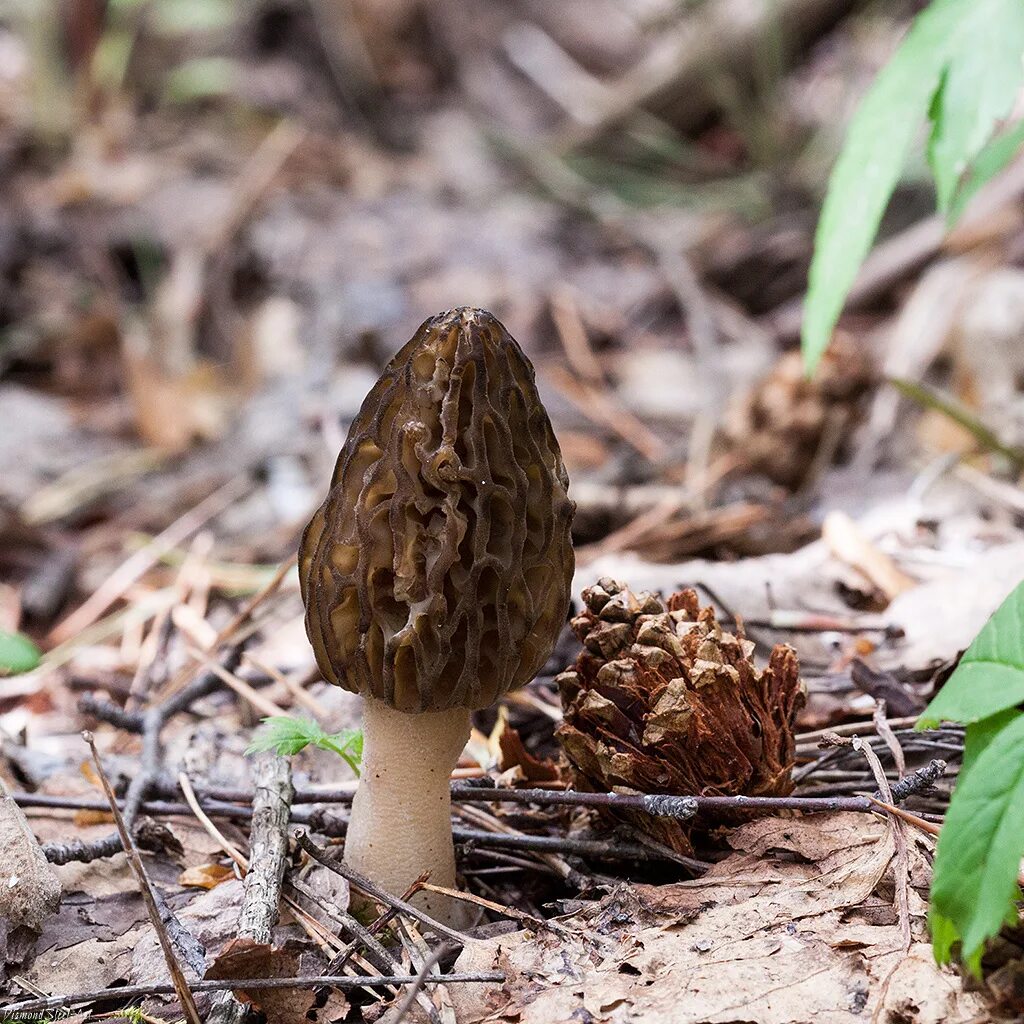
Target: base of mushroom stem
point(400, 826)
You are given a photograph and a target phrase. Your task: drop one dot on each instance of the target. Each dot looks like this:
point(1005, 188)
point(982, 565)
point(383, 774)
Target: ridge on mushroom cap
point(437, 572)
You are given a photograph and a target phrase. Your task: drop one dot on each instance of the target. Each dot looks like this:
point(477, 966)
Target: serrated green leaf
point(979, 850)
point(17, 654)
point(978, 89)
point(990, 676)
point(869, 167)
point(286, 736)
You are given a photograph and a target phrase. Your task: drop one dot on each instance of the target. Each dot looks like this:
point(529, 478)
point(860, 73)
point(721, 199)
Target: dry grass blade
point(498, 908)
point(911, 819)
point(902, 867)
point(573, 335)
point(884, 730)
point(132, 569)
point(178, 979)
point(254, 602)
point(262, 704)
point(600, 405)
point(190, 797)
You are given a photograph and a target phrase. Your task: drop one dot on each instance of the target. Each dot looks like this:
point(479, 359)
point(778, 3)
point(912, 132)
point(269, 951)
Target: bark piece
point(29, 888)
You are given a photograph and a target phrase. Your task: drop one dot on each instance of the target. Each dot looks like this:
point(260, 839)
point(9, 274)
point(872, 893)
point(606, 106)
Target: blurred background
point(218, 220)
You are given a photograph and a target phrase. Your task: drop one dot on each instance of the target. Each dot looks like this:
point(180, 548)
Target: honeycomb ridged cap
point(437, 572)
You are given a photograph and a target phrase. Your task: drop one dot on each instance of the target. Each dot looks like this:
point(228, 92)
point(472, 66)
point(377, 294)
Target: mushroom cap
point(437, 572)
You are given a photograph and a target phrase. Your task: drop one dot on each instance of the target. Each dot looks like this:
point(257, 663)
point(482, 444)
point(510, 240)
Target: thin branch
point(152, 721)
point(372, 889)
point(268, 854)
point(417, 986)
point(180, 984)
point(343, 982)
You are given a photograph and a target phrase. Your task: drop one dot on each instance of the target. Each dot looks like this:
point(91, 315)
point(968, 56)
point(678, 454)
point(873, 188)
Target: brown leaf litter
point(795, 925)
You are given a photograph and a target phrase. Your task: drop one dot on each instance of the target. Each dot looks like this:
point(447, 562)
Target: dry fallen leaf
point(244, 958)
point(205, 876)
point(787, 928)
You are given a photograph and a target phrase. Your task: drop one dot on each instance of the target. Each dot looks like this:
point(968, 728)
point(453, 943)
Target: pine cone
point(781, 426)
point(663, 700)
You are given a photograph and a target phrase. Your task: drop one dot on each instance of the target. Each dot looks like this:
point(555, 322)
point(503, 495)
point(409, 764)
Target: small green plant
point(959, 69)
point(286, 735)
point(975, 887)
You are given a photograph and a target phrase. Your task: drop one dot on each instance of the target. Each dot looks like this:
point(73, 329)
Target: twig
point(917, 781)
point(602, 408)
point(245, 612)
point(417, 985)
point(604, 849)
point(659, 805)
point(884, 686)
point(851, 729)
point(268, 853)
point(379, 956)
point(497, 908)
point(152, 722)
point(573, 335)
point(371, 889)
point(108, 711)
point(240, 687)
point(312, 927)
point(228, 803)
point(343, 982)
point(180, 985)
point(268, 847)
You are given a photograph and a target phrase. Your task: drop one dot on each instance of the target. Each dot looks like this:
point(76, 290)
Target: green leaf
point(979, 850)
point(287, 736)
point(980, 735)
point(978, 89)
point(990, 676)
point(989, 162)
point(869, 167)
point(201, 79)
point(17, 654)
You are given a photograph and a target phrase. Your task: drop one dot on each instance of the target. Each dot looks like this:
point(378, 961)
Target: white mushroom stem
point(401, 814)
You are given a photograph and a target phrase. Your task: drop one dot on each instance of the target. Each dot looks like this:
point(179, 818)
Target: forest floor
point(218, 222)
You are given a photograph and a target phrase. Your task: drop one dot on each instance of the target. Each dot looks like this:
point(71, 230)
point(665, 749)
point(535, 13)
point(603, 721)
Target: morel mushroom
point(436, 577)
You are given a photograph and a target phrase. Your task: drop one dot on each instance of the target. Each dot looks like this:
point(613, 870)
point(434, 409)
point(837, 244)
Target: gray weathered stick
point(268, 854)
